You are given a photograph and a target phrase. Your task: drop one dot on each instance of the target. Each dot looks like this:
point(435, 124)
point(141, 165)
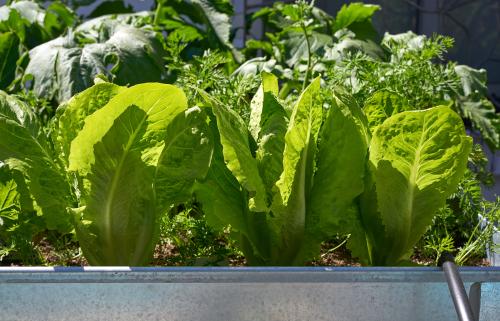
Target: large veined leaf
point(268, 124)
point(138, 155)
point(483, 116)
point(296, 48)
point(381, 105)
point(291, 202)
point(117, 223)
point(417, 159)
point(72, 114)
point(24, 149)
point(225, 202)
point(185, 158)
point(343, 138)
point(65, 66)
point(300, 142)
point(160, 102)
point(235, 144)
point(472, 80)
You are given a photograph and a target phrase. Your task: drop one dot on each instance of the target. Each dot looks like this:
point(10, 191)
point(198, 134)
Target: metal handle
point(463, 305)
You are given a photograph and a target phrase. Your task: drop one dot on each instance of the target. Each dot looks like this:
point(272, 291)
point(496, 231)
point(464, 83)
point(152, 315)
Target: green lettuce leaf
point(185, 158)
point(268, 124)
point(25, 149)
point(381, 105)
point(236, 150)
point(417, 159)
point(137, 156)
point(71, 115)
point(160, 102)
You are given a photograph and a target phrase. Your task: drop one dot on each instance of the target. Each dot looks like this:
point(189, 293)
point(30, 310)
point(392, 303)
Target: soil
point(167, 254)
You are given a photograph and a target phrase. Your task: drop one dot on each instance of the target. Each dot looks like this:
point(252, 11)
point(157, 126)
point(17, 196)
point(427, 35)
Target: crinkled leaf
point(418, 158)
point(268, 125)
point(473, 80)
point(185, 158)
point(381, 105)
point(25, 150)
point(64, 66)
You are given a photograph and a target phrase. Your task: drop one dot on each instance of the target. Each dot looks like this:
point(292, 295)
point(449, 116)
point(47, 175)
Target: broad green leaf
point(300, 145)
point(9, 54)
point(239, 160)
point(340, 163)
point(354, 12)
point(418, 158)
point(185, 158)
point(73, 113)
point(381, 105)
point(25, 150)
point(160, 102)
point(212, 19)
point(225, 202)
point(116, 227)
point(137, 155)
point(358, 18)
point(290, 204)
point(269, 85)
point(68, 65)
point(268, 124)
point(221, 196)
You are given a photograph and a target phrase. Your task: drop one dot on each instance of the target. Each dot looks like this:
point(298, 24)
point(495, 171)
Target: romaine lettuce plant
point(122, 157)
point(134, 158)
point(416, 160)
point(283, 184)
point(287, 184)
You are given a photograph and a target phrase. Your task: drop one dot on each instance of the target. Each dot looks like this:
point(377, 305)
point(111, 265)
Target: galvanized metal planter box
point(218, 294)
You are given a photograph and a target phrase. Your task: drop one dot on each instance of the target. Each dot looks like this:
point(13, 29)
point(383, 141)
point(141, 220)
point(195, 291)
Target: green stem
point(309, 60)
point(159, 7)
